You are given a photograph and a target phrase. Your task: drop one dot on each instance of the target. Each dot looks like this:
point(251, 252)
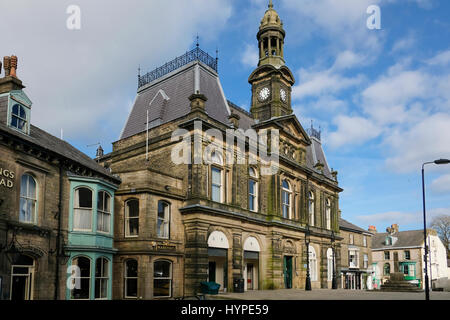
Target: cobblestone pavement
point(327, 294)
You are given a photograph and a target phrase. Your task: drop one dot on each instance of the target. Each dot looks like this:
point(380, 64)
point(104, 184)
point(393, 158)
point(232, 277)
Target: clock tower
point(271, 81)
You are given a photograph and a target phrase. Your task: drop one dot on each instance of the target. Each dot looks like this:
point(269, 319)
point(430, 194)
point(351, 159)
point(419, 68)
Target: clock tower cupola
point(272, 80)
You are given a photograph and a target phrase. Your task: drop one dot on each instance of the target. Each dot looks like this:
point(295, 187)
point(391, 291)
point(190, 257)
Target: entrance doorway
point(250, 276)
point(288, 272)
point(212, 271)
point(22, 279)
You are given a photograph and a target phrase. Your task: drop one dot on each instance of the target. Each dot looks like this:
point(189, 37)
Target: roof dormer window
point(19, 118)
point(388, 241)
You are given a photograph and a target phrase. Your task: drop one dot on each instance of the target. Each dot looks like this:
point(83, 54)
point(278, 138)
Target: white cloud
point(85, 78)
point(250, 57)
point(441, 184)
point(386, 99)
point(403, 219)
point(343, 21)
point(404, 44)
point(389, 218)
point(441, 59)
point(352, 131)
point(316, 83)
point(424, 141)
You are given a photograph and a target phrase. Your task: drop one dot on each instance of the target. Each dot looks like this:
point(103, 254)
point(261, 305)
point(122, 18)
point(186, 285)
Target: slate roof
point(246, 120)
point(344, 224)
point(52, 144)
point(167, 98)
point(315, 153)
point(412, 238)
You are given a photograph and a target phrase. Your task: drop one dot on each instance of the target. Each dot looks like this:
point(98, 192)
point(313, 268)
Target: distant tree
point(442, 225)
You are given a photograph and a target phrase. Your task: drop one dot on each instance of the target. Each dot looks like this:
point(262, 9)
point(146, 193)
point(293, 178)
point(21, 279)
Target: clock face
point(283, 95)
point(264, 94)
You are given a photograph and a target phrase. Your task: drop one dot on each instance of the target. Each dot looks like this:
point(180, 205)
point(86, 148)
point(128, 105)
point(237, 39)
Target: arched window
point(131, 278)
point(253, 190)
point(101, 278)
point(328, 213)
point(312, 263)
point(311, 208)
point(82, 210)
point(286, 199)
point(330, 265)
point(163, 223)
point(387, 269)
point(82, 278)
point(19, 118)
point(132, 218)
point(28, 199)
point(103, 212)
point(162, 279)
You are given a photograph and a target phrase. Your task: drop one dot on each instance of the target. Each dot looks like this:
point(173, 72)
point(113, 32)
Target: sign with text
point(6, 178)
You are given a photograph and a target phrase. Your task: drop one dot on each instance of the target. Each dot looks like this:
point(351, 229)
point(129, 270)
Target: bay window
point(101, 278)
point(81, 279)
point(82, 210)
point(103, 212)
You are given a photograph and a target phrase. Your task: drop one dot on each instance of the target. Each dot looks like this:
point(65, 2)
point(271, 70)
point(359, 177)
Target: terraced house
point(56, 208)
point(403, 251)
point(178, 224)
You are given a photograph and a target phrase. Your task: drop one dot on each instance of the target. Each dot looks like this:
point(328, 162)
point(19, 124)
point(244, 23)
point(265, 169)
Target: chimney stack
point(373, 229)
point(10, 81)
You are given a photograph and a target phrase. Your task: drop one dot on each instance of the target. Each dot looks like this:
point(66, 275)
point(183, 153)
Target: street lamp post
point(427, 287)
point(308, 278)
point(333, 239)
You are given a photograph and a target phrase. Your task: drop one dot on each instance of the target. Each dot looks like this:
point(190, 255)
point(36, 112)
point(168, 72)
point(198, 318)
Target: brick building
point(46, 185)
point(180, 224)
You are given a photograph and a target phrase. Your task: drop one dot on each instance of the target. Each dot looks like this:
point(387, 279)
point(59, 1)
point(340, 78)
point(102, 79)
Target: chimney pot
point(7, 65)
point(13, 66)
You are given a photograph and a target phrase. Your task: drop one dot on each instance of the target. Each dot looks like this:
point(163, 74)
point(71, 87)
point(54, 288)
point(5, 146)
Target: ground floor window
point(22, 272)
point(162, 279)
point(101, 278)
point(81, 278)
point(131, 278)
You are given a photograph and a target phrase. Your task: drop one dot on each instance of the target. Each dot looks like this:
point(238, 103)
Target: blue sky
point(381, 97)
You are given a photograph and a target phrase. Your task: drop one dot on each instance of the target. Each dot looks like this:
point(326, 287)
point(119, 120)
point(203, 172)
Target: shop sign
point(6, 178)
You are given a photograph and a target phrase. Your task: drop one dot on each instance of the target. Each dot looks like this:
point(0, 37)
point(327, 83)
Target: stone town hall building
point(135, 224)
point(177, 225)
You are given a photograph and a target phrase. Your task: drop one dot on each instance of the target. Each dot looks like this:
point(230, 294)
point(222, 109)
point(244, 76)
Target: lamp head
point(442, 161)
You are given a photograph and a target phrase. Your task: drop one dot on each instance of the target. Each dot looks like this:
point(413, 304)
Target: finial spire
point(197, 41)
point(270, 4)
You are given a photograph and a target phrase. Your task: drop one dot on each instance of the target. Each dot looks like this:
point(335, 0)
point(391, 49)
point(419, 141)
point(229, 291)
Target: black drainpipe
point(58, 235)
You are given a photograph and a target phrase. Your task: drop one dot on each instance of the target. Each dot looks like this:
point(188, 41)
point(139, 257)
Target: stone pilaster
point(196, 257)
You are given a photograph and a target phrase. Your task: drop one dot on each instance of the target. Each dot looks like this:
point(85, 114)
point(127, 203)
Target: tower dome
point(271, 18)
point(271, 38)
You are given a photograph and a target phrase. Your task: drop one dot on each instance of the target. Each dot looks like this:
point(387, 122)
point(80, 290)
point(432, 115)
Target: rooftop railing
point(196, 54)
